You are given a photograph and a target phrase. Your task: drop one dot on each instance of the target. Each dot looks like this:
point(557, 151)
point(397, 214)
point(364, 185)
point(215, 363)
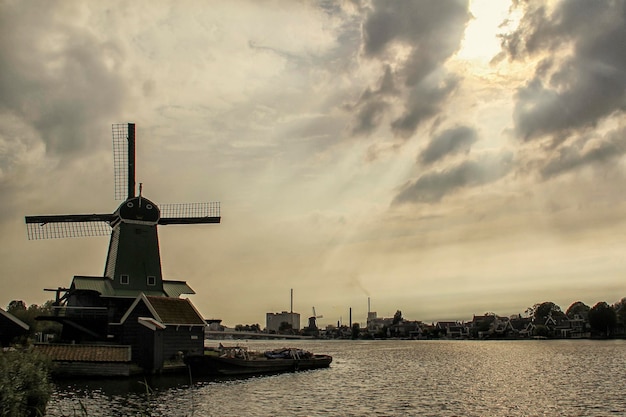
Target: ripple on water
point(388, 378)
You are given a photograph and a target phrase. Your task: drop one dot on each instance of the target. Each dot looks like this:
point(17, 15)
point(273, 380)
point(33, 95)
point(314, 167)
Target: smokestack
point(350, 316)
point(291, 305)
point(368, 306)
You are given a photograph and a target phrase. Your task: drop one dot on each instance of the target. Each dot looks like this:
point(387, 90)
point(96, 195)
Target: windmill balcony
point(93, 313)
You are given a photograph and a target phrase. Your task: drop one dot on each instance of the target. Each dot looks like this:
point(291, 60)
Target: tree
point(397, 318)
point(285, 327)
point(541, 312)
point(620, 311)
point(356, 330)
point(16, 306)
point(29, 316)
point(578, 308)
point(602, 319)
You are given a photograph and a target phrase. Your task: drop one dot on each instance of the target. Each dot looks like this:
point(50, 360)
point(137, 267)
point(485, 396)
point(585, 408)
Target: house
point(579, 325)
point(11, 328)
point(558, 325)
point(161, 330)
point(491, 325)
point(91, 304)
point(522, 326)
point(450, 329)
point(501, 327)
point(407, 329)
point(376, 324)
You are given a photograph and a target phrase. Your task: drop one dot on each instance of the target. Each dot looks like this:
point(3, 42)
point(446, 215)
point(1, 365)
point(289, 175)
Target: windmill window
point(151, 280)
point(129, 204)
point(124, 279)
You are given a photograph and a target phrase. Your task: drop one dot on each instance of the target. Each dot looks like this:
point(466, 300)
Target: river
point(384, 378)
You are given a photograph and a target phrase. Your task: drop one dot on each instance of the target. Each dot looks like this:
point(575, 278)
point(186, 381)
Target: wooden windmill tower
point(133, 264)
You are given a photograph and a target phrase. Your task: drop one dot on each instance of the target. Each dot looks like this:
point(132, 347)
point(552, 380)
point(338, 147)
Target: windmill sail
point(190, 213)
point(124, 160)
point(68, 225)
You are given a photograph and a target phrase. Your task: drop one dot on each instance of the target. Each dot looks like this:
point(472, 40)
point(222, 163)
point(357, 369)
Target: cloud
point(432, 187)
point(450, 141)
point(372, 105)
point(431, 29)
point(584, 152)
point(56, 76)
point(425, 100)
point(412, 41)
point(582, 78)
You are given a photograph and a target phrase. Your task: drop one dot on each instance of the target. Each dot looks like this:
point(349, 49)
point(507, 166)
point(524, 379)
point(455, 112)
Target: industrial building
point(274, 320)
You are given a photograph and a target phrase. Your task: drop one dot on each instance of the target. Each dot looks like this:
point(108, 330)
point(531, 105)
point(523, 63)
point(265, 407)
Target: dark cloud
point(433, 186)
point(429, 33)
point(584, 152)
point(425, 100)
point(587, 85)
point(431, 29)
point(55, 76)
point(372, 105)
point(450, 141)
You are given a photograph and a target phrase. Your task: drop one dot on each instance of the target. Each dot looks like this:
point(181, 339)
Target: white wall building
point(274, 320)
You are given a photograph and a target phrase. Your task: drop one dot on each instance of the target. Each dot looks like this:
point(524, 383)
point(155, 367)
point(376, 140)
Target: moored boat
point(239, 360)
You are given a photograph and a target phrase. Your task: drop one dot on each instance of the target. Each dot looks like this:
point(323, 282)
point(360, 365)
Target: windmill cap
point(139, 209)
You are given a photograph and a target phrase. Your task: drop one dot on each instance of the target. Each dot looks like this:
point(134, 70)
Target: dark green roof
point(175, 289)
point(102, 285)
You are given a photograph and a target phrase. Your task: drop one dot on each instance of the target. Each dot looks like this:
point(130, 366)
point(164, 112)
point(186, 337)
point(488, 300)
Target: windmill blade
point(124, 160)
point(190, 213)
point(68, 225)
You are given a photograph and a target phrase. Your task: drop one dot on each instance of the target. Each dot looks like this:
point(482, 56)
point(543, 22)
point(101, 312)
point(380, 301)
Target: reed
point(25, 386)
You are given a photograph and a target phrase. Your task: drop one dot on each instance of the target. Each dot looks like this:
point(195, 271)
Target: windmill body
point(133, 260)
point(91, 306)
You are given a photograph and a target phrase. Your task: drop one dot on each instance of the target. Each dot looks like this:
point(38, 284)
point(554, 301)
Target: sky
point(443, 159)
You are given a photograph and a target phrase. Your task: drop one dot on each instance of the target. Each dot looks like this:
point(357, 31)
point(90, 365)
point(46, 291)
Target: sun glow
point(480, 42)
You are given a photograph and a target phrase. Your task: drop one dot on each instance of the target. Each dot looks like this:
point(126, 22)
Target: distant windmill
point(313, 320)
point(133, 262)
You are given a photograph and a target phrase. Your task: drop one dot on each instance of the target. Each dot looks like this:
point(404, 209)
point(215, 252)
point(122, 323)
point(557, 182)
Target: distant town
point(542, 320)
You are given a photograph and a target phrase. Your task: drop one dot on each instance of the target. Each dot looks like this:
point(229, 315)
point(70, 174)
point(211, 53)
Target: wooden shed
point(160, 330)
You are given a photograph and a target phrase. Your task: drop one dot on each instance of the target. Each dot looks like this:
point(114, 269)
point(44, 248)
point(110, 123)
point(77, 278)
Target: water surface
point(384, 378)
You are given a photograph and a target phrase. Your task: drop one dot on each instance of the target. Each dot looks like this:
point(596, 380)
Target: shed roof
point(86, 353)
point(176, 310)
point(168, 310)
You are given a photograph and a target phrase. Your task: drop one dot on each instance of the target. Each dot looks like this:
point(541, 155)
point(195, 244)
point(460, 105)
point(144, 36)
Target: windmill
point(313, 320)
point(133, 264)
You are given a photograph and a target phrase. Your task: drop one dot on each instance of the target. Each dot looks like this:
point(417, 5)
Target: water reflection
point(385, 378)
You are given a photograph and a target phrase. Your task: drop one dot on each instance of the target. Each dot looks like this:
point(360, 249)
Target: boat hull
point(201, 365)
